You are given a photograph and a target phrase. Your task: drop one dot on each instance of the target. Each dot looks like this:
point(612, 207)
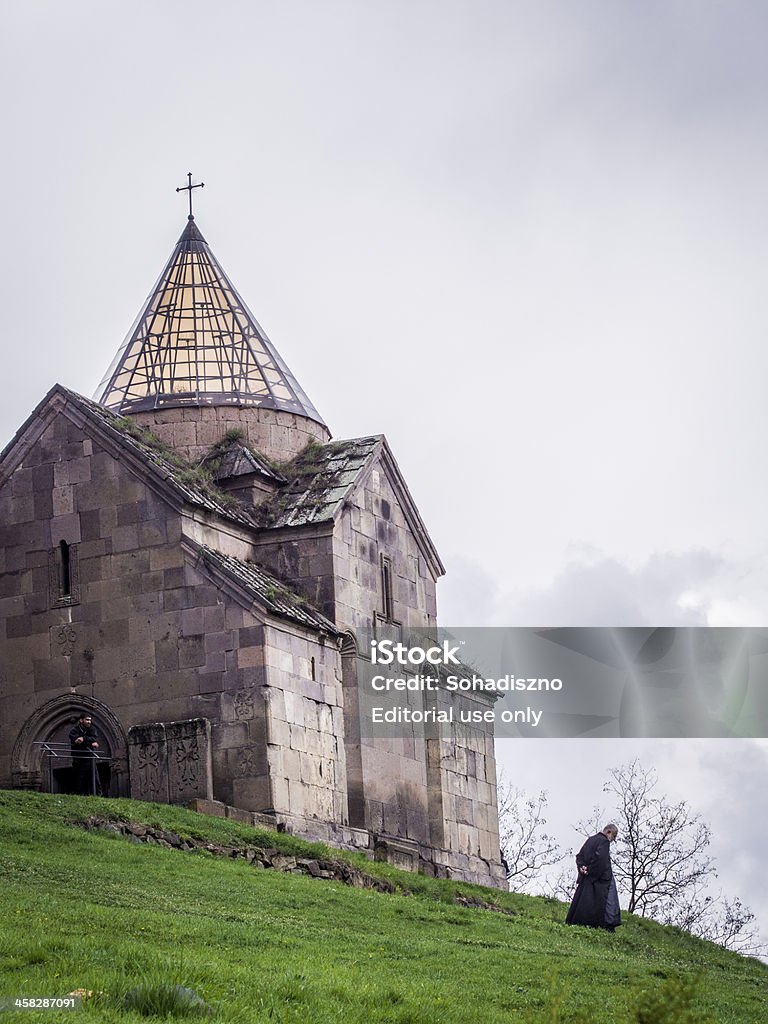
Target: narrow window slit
point(387, 606)
point(66, 573)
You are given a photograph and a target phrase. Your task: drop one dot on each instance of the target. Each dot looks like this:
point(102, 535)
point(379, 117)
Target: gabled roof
point(323, 477)
point(195, 342)
point(269, 591)
point(320, 478)
point(172, 472)
point(184, 479)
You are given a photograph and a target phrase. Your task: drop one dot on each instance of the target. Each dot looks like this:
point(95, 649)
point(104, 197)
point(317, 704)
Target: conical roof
point(195, 342)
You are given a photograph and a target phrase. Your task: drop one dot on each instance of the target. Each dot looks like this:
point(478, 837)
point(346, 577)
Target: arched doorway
point(40, 758)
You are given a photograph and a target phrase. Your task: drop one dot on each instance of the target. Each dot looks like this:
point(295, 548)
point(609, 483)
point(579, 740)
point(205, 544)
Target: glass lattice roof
point(195, 342)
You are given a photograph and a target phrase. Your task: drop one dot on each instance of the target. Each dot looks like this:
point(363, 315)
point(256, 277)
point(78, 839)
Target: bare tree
point(661, 856)
point(661, 862)
point(691, 911)
point(728, 922)
point(526, 846)
point(731, 924)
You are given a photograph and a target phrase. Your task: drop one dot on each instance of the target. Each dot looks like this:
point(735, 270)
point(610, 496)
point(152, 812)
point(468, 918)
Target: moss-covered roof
point(319, 480)
point(233, 458)
point(311, 488)
point(193, 484)
point(269, 591)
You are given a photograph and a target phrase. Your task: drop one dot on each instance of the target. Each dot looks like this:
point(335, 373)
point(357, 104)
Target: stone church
point(191, 559)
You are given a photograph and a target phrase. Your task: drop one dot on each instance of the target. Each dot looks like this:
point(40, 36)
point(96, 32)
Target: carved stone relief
point(148, 763)
point(189, 760)
point(243, 704)
point(64, 638)
point(170, 762)
point(247, 765)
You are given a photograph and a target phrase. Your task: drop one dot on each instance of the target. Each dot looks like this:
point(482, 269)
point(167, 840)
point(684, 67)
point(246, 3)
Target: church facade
point(190, 558)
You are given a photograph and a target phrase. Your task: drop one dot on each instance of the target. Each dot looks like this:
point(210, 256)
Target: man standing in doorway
point(84, 745)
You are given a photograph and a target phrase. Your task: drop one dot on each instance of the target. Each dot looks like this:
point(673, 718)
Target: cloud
point(731, 779)
point(698, 587)
point(469, 595)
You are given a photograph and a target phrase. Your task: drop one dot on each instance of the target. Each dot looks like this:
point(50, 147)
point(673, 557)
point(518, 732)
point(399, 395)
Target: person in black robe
point(595, 902)
point(84, 745)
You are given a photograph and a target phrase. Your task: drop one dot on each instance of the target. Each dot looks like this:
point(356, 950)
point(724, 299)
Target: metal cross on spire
point(188, 188)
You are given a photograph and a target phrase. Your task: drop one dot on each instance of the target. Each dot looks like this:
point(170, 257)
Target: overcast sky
point(525, 240)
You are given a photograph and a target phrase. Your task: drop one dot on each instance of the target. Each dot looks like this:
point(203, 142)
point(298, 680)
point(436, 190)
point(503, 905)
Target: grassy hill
point(92, 910)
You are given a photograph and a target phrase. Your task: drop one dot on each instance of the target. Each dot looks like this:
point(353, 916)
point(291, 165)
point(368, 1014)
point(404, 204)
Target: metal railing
point(63, 751)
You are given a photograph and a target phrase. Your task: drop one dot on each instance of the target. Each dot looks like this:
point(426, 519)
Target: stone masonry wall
point(394, 771)
point(462, 778)
point(395, 787)
point(192, 431)
point(306, 559)
point(149, 635)
point(338, 566)
point(372, 525)
point(340, 572)
point(304, 730)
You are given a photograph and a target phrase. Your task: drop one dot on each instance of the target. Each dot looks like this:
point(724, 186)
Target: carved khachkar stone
point(148, 763)
point(189, 760)
point(170, 762)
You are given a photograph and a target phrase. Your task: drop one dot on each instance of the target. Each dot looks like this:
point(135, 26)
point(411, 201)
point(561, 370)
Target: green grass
point(130, 922)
